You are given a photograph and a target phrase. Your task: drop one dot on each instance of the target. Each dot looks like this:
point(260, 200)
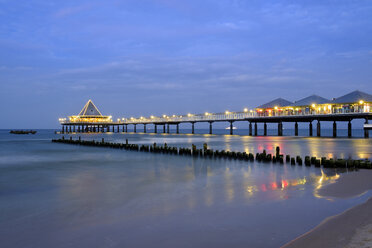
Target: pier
point(355, 105)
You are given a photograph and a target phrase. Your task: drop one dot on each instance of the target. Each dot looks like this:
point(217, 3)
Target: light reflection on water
point(55, 195)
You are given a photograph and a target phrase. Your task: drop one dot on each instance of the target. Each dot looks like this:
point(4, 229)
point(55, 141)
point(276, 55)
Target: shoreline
point(351, 228)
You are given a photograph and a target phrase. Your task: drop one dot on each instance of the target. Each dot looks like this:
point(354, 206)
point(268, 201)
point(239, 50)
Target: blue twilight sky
point(145, 57)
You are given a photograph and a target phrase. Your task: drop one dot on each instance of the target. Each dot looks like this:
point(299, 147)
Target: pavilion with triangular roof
point(90, 113)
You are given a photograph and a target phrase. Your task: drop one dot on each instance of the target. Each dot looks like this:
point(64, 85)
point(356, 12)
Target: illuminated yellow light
point(164, 116)
point(329, 107)
point(189, 115)
point(206, 113)
point(152, 117)
point(245, 110)
point(313, 105)
point(251, 111)
point(227, 112)
point(361, 102)
point(174, 115)
point(275, 107)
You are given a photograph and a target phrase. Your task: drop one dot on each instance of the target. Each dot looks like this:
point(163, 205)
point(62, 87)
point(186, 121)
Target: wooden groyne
point(263, 157)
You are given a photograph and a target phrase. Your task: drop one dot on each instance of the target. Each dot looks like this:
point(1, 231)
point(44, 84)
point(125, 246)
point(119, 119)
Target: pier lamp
point(152, 117)
point(164, 116)
point(361, 102)
point(206, 113)
point(313, 105)
point(227, 112)
point(245, 110)
point(118, 119)
point(189, 115)
point(276, 107)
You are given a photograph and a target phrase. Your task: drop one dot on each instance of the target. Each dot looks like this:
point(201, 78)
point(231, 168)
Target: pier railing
point(233, 116)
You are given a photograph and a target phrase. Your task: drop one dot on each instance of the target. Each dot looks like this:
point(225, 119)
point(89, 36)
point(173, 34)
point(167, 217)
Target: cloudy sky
point(159, 57)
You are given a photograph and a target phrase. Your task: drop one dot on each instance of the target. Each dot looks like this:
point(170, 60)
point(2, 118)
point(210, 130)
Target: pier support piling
point(177, 128)
point(311, 129)
point(265, 129)
point(192, 127)
point(366, 131)
point(280, 129)
point(231, 128)
point(210, 127)
point(144, 128)
point(250, 128)
point(255, 129)
point(155, 128)
point(318, 133)
point(167, 128)
point(349, 132)
point(296, 129)
point(334, 129)
point(164, 128)
point(135, 128)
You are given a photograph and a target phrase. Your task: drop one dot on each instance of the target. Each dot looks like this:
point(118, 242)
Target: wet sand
point(352, 228)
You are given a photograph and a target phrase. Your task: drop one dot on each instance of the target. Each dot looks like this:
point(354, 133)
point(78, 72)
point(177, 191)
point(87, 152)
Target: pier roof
point(279, 102)
point(307, 101)
point(90, 110)
point(354, 97)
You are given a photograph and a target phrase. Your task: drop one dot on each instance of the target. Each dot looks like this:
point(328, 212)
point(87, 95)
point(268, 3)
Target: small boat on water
point(22, 131)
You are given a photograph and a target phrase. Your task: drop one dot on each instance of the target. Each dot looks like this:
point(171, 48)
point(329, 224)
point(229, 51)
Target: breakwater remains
point(263, 157)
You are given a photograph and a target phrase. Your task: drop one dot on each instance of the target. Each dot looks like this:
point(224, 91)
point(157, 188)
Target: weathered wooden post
point(296, 129)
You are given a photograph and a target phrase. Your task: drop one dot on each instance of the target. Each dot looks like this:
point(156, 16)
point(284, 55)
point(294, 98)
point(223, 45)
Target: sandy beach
point(352, 228)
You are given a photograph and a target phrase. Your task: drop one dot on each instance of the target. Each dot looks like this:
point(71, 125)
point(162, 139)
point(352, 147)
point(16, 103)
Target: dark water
point(57, 195)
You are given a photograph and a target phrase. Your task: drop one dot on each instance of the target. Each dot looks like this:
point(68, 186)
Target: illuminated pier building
point(355, 105)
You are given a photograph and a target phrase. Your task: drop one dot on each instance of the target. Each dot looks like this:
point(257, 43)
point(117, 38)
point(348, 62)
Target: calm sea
point(58, 195)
